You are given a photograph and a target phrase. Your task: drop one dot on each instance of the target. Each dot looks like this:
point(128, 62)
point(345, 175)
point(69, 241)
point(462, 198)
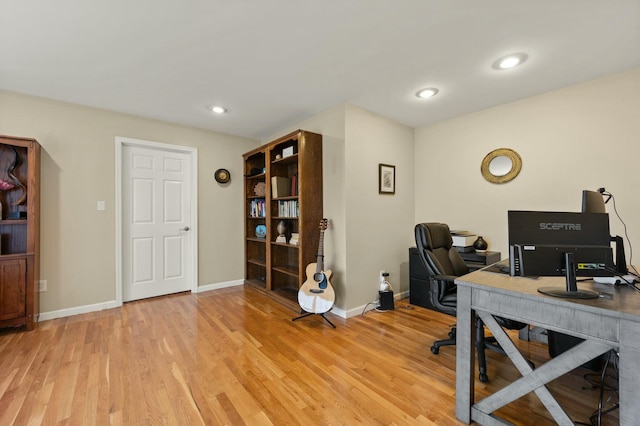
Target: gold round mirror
point(501, 165)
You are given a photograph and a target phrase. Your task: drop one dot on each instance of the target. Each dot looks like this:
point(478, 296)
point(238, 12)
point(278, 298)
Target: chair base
point(482, 343)
point(447, 342)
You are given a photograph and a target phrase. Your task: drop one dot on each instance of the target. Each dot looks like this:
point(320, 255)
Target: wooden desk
point(609, 322)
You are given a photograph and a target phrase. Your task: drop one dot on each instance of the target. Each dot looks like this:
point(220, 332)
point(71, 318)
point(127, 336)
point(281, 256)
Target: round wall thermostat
point(222, 176)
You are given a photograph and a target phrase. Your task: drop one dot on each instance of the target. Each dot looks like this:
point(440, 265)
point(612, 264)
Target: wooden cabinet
point(283, 200)
point(19, 231)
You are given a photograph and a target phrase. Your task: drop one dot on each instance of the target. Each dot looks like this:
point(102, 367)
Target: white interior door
point(156, 226)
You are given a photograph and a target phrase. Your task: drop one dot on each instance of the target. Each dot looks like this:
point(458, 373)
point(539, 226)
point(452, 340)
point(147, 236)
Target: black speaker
point(386, 300)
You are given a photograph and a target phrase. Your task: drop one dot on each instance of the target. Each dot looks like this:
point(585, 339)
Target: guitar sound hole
point(321, 279)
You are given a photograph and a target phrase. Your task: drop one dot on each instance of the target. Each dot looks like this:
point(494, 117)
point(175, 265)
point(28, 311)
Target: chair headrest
point(433, 235)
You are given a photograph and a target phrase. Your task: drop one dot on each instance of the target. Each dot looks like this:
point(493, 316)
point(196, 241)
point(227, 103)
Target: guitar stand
point(311, 313)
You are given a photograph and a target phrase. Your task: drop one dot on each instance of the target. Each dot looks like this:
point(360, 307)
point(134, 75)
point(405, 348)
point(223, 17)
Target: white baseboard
point(358, 310)
point(209, 287)
point(45, 316)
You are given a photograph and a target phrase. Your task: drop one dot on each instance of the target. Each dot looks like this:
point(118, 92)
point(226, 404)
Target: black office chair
point(444, 264)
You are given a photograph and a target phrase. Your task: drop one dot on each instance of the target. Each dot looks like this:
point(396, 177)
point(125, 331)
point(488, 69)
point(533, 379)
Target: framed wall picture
point(386, 179)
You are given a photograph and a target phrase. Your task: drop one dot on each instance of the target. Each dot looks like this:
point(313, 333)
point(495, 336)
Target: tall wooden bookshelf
point(19, 231)
point(292, 163)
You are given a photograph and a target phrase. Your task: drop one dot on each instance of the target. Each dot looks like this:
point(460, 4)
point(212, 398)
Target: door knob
point(186, 228)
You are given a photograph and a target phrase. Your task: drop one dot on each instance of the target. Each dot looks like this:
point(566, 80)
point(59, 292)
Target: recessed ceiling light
point(509, 61)
point(429, 92)
point(218, 109)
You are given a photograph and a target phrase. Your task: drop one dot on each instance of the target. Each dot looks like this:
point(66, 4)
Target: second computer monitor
point(592, 202)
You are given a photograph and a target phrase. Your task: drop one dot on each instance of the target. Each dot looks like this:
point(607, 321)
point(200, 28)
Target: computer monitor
point(592, 202)
point(560, 244)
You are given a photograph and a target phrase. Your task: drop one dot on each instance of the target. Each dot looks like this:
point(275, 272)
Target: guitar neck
point(320, 256)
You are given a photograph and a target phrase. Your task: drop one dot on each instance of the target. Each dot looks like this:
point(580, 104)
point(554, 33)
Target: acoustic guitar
point(316, 294)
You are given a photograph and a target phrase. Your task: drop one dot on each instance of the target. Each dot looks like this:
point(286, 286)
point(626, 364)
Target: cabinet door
point(12, 288)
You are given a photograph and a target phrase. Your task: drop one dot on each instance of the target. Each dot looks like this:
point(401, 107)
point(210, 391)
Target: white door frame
point(192, 263)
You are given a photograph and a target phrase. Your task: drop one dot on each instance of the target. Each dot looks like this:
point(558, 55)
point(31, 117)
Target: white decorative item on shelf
point(282, 230)
point(259, 189)
point(287, 152)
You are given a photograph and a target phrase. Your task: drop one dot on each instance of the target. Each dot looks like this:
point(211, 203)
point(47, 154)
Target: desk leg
point(535, 380)
point(629, 374)
point(465, 359)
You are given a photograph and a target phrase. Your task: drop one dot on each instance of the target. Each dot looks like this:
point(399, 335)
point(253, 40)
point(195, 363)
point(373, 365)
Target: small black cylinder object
point(386, 301)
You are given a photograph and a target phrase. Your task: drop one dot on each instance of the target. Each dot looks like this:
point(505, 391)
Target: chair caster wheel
point(484, 378)
point(435, 350)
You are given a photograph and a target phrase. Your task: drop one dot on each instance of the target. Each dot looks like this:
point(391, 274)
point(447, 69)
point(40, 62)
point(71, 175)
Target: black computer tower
point(559, 343)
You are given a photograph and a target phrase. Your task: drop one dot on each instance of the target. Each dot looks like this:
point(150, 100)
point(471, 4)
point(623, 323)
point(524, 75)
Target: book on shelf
point(295, 239)
point(294, 184)
point(280, 186)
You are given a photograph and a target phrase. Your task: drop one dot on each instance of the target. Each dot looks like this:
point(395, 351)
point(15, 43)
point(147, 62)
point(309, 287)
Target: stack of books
point(463, 240)
point(257, 208)
point(294, 239)
point(288, 208)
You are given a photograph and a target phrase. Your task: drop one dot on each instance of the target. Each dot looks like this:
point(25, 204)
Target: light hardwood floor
point(234, 356)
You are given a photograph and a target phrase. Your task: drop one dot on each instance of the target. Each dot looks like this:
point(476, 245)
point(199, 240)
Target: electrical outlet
point(42, 285)
point(381, 281)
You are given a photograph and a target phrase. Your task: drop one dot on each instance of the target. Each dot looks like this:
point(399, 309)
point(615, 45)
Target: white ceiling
point(273, 63)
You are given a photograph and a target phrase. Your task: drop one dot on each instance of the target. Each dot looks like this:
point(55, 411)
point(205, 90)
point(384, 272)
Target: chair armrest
point(447, 278)
point(443, 293)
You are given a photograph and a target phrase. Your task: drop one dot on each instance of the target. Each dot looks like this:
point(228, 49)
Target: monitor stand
point(571, 292)
point(567, 294)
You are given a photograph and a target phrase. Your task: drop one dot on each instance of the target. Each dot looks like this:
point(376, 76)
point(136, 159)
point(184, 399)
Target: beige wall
point(379, 226)
point(78, 166)
point(581, 137)
point(368, 231)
